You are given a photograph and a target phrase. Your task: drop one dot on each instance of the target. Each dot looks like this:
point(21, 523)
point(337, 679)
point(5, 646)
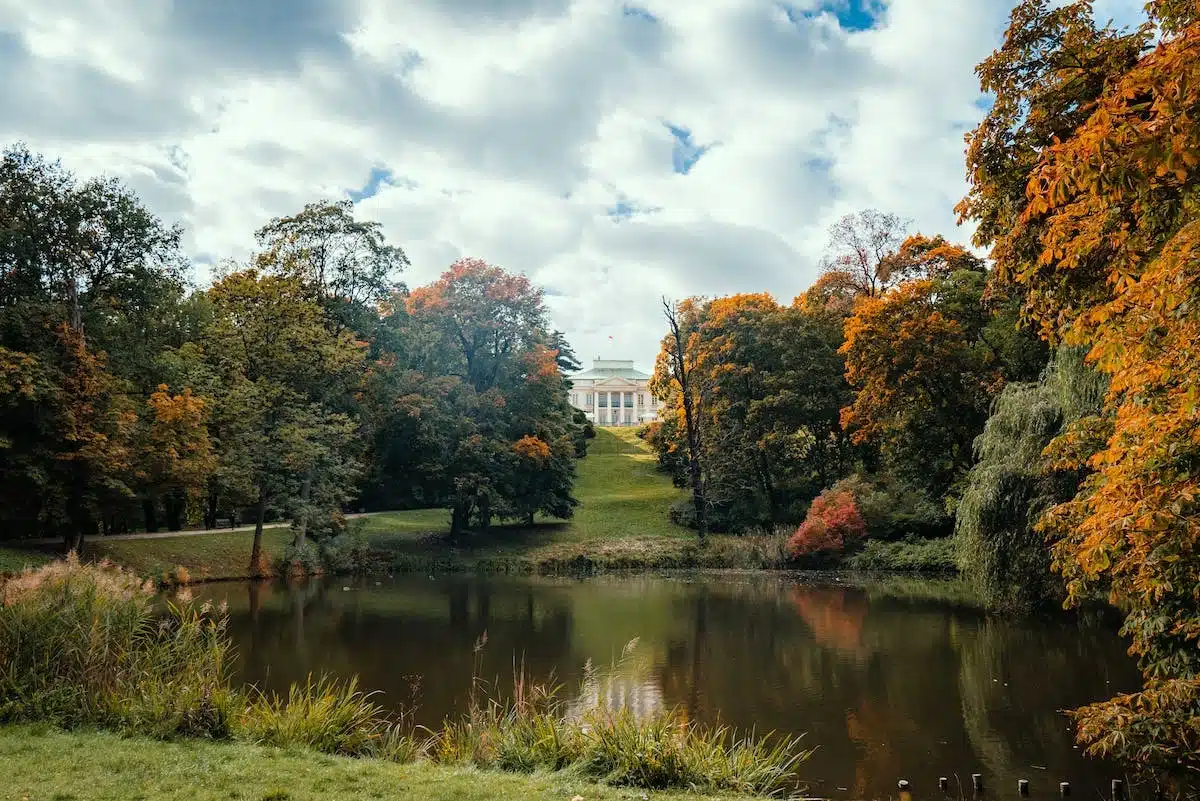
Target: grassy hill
point(621, 522)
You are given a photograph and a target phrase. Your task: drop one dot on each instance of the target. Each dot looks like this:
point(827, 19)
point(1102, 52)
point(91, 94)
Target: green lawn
point(13, 560)
point(40, 764)
point(621, 522)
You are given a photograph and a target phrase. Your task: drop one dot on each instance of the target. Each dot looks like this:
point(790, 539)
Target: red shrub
point(833, 522)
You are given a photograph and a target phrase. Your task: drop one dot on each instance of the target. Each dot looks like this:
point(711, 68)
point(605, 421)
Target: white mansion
point(613, 393)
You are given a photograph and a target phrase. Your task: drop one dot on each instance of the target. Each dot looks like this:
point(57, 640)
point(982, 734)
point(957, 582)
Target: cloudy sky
point(614, 152)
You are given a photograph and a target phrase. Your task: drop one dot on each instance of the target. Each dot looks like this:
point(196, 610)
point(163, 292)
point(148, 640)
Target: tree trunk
point(485, 513)
point(259, 518)
point(80, 520)
point(459, 518)
point(150, 514)
point(175, 505)
point(768, 486)
point(302, 517)
point(691, 417)
point(210, 508)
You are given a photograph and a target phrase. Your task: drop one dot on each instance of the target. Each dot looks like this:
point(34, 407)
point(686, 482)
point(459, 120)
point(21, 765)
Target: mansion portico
point(613, 393)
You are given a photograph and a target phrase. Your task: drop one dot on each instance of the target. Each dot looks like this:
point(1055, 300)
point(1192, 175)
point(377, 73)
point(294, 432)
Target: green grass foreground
point(40, 763)
point(14, 560)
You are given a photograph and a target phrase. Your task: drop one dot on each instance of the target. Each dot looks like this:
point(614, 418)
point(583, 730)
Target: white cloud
point(512, 128)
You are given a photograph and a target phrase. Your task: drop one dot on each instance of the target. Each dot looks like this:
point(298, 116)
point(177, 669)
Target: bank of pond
point(652, 680)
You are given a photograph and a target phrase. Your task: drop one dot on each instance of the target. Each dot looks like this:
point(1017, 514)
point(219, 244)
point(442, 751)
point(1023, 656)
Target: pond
point(890, 679)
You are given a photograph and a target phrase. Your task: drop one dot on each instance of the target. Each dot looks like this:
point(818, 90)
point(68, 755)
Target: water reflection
point(886, 681)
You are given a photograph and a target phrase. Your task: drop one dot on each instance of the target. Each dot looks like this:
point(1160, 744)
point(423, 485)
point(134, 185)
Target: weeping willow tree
point(1011, 485)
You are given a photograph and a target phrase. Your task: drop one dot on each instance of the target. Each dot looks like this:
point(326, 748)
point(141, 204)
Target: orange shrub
point(833, 522)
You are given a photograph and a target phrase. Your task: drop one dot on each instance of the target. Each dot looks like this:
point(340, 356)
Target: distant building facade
point(613, 393)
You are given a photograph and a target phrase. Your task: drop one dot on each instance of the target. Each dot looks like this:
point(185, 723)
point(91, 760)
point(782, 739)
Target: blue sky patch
point(685, 153)
point(377, 178)
point(626, 209)
point(638, 13)
point(852, 15)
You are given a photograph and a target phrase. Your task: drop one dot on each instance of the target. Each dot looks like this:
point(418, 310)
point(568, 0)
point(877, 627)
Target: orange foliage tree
point(832, 525)
point(1106, 248)
point(922, 386)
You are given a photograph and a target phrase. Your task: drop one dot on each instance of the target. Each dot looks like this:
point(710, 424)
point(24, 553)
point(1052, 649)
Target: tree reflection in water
point(899, 678)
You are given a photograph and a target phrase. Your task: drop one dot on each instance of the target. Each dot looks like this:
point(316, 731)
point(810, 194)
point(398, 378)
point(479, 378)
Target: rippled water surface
point(897, 679)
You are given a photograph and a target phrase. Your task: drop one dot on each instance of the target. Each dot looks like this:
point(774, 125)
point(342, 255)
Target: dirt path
point(160, 535)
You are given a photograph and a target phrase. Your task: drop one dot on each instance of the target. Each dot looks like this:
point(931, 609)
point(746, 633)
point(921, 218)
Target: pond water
point(889, 680)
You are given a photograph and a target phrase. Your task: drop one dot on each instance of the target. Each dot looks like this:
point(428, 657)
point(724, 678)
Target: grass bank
point(41, 763)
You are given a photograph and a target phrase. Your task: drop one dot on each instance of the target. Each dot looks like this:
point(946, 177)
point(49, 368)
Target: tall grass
point(535, 729)
point(87, 645)
point(84, 644)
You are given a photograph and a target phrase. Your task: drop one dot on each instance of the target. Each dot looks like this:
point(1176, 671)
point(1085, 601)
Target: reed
point(84, 645)
point(534, 729)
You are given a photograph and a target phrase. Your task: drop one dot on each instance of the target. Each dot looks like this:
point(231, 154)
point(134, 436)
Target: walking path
point(191, 532)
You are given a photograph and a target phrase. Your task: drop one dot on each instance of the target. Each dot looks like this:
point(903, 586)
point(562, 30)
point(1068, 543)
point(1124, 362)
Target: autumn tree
point(675, 383)
point(88, 279)
point(479, 322)
point(922, 388)
point(1095, 222)
point(488, 328)
point(174, 457)
point(856, 260)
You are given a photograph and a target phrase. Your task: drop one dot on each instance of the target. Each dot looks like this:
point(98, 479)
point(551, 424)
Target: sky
point(614, 152)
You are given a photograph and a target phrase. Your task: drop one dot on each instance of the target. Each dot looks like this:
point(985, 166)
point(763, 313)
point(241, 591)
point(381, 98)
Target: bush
point(893, 510)
point(913, 554)
point(833, 524)
point(345, 552)
point(301, 560)
point(348, 552)
point(683, 513)
point(83, 645)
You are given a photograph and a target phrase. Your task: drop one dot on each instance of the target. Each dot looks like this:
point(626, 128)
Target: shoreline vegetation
point(622, 523)
point(143, 674)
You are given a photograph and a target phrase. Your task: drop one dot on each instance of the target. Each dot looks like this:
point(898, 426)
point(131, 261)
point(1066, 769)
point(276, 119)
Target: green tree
point(488, 328)
point(1012, 483)
point(346, 264)
point(272, 351)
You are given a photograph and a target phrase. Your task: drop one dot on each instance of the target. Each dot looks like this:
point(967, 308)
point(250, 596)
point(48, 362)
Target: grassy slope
point(39, 764)
point(621, 523)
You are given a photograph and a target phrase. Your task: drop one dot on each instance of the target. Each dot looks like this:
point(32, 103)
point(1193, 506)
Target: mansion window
point(603, 400)
point(628, 400)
